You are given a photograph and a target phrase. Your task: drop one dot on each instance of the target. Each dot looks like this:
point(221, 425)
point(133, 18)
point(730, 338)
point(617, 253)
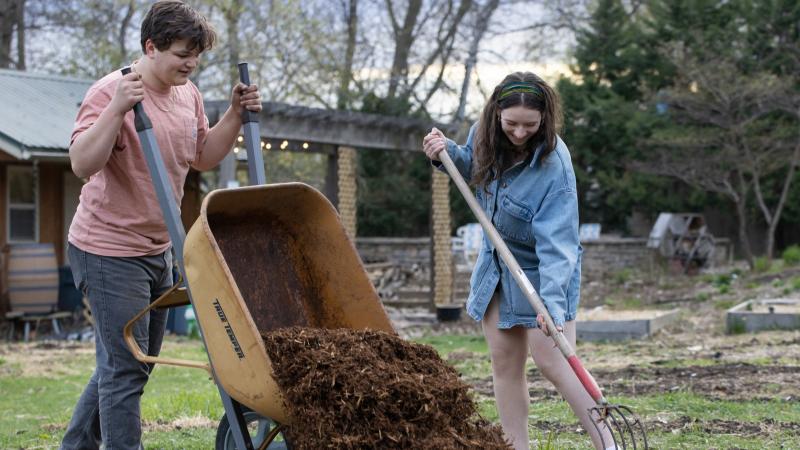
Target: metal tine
point(599, 431)
point(623, 430)
point(623, 425)
point(633, 426)
point(628, 425)
point(617, 431)
point(638, 423)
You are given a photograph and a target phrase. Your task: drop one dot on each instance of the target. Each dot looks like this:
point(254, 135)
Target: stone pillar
point(347, 189)
point(442, 248)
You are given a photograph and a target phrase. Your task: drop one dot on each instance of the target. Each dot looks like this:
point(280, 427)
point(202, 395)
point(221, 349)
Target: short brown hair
point(168, 21)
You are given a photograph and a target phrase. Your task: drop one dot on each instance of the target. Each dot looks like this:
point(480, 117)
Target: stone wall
point(405, 251)
point(601, 257)
point(608, 255)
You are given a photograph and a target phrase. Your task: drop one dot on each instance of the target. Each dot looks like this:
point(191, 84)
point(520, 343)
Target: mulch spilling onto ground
point(360, 389)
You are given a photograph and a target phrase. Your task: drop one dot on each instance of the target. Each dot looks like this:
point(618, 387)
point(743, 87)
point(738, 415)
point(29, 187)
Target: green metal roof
point(37, 113)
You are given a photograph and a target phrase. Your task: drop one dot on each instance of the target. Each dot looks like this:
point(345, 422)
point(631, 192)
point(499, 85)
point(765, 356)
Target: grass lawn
point(40, 383)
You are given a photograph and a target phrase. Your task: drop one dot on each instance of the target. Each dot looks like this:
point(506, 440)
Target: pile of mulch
point(359, 389)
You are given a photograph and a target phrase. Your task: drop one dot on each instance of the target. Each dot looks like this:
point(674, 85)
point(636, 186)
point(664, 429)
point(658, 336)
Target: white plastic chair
point(471, 236)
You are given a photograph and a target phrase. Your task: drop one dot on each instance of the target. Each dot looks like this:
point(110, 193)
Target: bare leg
point(509, 352)
point(555, 368)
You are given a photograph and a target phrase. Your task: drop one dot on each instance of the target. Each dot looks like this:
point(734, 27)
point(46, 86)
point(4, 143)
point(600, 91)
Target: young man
point(119, 248)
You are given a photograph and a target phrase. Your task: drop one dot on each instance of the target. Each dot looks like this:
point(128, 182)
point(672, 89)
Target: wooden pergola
point(340, 134)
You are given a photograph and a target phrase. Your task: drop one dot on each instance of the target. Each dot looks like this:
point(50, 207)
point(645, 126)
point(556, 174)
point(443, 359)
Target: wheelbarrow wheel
point(259, 427)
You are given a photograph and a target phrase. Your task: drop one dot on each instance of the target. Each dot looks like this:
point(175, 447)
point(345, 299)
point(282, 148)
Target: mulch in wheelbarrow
point(361, 389)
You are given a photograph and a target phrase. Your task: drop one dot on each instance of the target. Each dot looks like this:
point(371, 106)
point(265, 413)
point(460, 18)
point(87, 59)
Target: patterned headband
point(520, 87)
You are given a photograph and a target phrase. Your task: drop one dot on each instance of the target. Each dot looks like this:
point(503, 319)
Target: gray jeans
point(118, 288)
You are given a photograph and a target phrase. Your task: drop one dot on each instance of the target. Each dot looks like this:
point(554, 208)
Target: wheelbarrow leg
point(236, 420)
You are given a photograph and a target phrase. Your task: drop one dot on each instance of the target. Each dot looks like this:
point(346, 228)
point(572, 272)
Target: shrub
point(623, 276)
point(723, 280)
point(791, 256)
point(724, 304)
point(761, 264)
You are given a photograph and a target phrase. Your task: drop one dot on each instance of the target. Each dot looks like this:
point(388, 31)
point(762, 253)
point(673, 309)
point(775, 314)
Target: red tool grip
point(586, 379)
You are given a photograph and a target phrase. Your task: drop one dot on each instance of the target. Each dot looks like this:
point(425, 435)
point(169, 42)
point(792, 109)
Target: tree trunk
point(9, 23)
point(481, 25)
point(741, 216)
point(343, 96)
point(776, 216)
point(123, 31)
point(404, 38)
point(20, 34)
point(740, 201)
point(232, 11)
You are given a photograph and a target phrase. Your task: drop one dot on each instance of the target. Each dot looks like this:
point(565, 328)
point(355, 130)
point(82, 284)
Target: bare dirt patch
point(736, 381)
point(181, 423)
point(722, 381)
point(44, 358)
point(764, 427)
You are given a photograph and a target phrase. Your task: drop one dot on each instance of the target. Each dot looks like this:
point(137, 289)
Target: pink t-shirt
point(118, 213)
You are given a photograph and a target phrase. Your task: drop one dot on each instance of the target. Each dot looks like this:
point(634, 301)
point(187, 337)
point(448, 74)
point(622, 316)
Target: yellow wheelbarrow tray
point(261, 258)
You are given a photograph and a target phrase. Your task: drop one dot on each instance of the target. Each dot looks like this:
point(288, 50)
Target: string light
point(269, 146)
point(241, 139)
point(305, 145)
point(284, 144)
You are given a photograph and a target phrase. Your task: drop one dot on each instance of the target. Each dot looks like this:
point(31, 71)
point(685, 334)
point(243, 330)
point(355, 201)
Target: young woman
point(525, 183)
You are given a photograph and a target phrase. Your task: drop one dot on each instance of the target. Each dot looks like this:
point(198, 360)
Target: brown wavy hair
point(492, 151)
point(168, 21)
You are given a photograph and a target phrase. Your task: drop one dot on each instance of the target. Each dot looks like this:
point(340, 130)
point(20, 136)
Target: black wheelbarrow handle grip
point(244, 77)
point(252, 136)
point(141, 121)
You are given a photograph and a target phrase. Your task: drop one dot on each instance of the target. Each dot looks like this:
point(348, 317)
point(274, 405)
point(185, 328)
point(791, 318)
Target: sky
point(502, 52)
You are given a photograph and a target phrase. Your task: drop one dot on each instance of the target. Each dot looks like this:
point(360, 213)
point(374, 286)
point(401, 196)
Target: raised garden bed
point(603, 324)
point(770, 314)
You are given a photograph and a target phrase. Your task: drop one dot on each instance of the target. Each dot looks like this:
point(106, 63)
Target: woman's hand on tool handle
point(543, 326)
point(433, 143)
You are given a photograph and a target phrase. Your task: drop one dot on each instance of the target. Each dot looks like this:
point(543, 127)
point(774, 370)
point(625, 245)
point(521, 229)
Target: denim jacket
point(534, 206)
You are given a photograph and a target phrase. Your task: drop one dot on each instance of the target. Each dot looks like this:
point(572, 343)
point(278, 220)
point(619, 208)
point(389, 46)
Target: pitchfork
point(625, 427)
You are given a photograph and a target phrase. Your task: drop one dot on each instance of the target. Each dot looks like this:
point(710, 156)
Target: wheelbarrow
point(257, 259)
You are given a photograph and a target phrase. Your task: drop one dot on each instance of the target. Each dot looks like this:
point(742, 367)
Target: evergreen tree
point(604, 119)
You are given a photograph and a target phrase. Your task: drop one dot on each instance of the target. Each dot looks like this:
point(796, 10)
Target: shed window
point(21, 204)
